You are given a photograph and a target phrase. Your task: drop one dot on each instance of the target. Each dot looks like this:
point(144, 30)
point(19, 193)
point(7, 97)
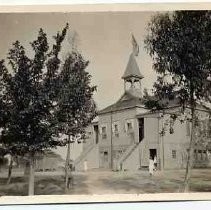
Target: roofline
point(156, 111)
point(136, 106)
point(95, 123)
point(133, 75)
point(177, 106)
point(126, 92)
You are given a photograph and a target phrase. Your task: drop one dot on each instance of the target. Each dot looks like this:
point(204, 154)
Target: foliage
point(181, 56)
point(28, 95)
point(76, 108)
point(180, 46)
point(179, 43)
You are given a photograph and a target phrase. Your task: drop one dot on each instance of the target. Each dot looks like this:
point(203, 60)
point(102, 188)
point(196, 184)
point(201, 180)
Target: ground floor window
point(118, 153)
point(201, 155)
point(174, 154)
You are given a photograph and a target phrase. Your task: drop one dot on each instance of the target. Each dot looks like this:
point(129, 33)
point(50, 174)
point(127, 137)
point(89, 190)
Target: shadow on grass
point(17, 186)
point(112, 183)
point(79, 185)
point(141, 185)
point(54, 185)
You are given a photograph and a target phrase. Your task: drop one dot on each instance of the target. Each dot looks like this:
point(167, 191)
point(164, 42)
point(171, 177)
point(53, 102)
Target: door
point(153, 153)
point(96, 132)
point(104, 159)
point(141, 129)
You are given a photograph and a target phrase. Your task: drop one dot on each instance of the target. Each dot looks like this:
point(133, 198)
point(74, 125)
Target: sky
point(104, 38)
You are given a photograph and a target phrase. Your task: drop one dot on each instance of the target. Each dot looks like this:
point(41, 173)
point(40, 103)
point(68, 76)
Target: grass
point(43, 186)
point(99, 182)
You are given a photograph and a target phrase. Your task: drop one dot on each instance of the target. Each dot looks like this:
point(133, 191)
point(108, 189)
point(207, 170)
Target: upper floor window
point(129, 126)
point(115, 129)
point(104, 132)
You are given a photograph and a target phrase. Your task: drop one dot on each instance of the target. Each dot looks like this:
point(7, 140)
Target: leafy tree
point(5, 105)
point(179, 43)
point(76, 108)
point(30, 91)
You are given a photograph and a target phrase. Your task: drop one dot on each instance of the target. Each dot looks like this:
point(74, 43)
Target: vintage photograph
point(105, 102)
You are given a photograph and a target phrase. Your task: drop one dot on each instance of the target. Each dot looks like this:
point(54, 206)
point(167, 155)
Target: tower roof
point(132, 69)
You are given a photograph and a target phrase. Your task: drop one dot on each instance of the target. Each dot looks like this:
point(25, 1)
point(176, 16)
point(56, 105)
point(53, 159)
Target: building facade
point(126, 134)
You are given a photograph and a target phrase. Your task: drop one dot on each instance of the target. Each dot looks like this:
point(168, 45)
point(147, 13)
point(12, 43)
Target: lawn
point(107, 182)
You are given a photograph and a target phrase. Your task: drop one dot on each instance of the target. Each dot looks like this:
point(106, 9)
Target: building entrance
point(104, 159)
point(153, 153)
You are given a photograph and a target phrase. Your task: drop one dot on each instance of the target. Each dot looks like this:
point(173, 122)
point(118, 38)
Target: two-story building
point(125, 134)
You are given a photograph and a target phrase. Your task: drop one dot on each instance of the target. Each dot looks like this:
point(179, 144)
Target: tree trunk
point(190, 153)
point(31, 176)
point(10, 171)
point(27, 169)
point(67, 163)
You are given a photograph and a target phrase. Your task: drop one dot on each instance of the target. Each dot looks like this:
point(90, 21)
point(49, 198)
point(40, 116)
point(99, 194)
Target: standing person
point(155, 163)
point(151, 166)
point(85, 166)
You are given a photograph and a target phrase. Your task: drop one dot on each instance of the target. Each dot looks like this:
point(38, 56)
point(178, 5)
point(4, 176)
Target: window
point(117, 153)
point(129, 126)
point(104, 133)
point(116, 135)
point(115, 129)
point(174, 154)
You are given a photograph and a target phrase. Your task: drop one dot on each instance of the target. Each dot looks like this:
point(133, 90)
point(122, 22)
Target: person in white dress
point(151, 166)
point(155, 163)
point(85, 166)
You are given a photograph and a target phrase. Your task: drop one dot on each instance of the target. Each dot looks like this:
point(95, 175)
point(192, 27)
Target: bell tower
point(132, 76)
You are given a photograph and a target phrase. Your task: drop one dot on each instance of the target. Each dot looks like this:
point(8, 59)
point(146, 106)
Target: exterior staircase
point(84, 154)
point(126, 154)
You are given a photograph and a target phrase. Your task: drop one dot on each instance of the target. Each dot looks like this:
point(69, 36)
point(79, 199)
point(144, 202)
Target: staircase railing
point(84, 153)
point(127, 153)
